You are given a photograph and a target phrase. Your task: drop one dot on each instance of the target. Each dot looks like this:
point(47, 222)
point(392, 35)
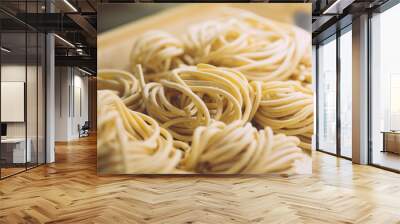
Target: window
point(346, 92)
point(327, 96)
point(385, 89)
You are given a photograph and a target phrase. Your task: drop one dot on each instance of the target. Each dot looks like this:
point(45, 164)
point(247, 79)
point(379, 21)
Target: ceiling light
point(79, 51)
point(327, 11)
point(70, 5)
point(84, 71)
point(65, 41)
point(5, 50)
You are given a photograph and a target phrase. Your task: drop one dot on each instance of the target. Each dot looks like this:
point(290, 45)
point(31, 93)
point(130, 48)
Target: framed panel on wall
point(13, 99)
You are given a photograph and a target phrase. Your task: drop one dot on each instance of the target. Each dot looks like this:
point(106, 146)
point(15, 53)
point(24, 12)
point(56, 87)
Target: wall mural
point(206, 89)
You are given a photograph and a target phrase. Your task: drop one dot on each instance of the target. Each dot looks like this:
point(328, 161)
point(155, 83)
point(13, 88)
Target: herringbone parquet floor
point(69, 191)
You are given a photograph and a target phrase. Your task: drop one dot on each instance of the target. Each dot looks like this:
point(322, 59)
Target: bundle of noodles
point(131, 142)
point(125, 85)
point(226, 92)
point(158, 52)
point(287, 107)
point(192, 96)
point(237, 148)
point(303, 71)
point(260, 48)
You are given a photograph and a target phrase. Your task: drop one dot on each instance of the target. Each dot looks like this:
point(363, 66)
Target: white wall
point(81, 82)
point(70, 83)
point(62, 81)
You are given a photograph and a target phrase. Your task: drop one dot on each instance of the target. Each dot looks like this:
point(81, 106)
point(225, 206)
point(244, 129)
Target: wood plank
point(69, 191)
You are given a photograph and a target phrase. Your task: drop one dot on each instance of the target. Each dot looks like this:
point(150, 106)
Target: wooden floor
point(10, 171)
point(69, 191)
point(387, 159)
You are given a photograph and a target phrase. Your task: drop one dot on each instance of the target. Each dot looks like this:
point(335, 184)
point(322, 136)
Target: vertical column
point(338, 76)
point(62, 103)
point(314, 85)
point(92, 103)
point(50, 92)
point(360, 90)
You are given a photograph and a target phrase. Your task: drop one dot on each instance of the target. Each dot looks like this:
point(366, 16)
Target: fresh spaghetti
point(124, 84)
point(287, 107)
point(202, 93)
point(260, 48)
point(192, 96)
point(158, 52)
point(132, 142)
point(237, 148)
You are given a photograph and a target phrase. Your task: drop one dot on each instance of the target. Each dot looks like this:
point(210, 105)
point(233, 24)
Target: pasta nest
point(303, 71)
point(241, 148)
point(158, 52)
point(287, 107)
point(260, 48)
point(125, 84)
point(191, 96)
point(130, 142)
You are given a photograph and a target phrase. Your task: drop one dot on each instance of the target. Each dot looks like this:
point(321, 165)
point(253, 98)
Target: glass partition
point(32, 100)
point(23, 89)
point(32, 96)
point(14, 153)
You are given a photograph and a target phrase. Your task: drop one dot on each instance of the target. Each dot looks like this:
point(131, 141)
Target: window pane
point(385, 114)
point(327, 97)
point(346, 94)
